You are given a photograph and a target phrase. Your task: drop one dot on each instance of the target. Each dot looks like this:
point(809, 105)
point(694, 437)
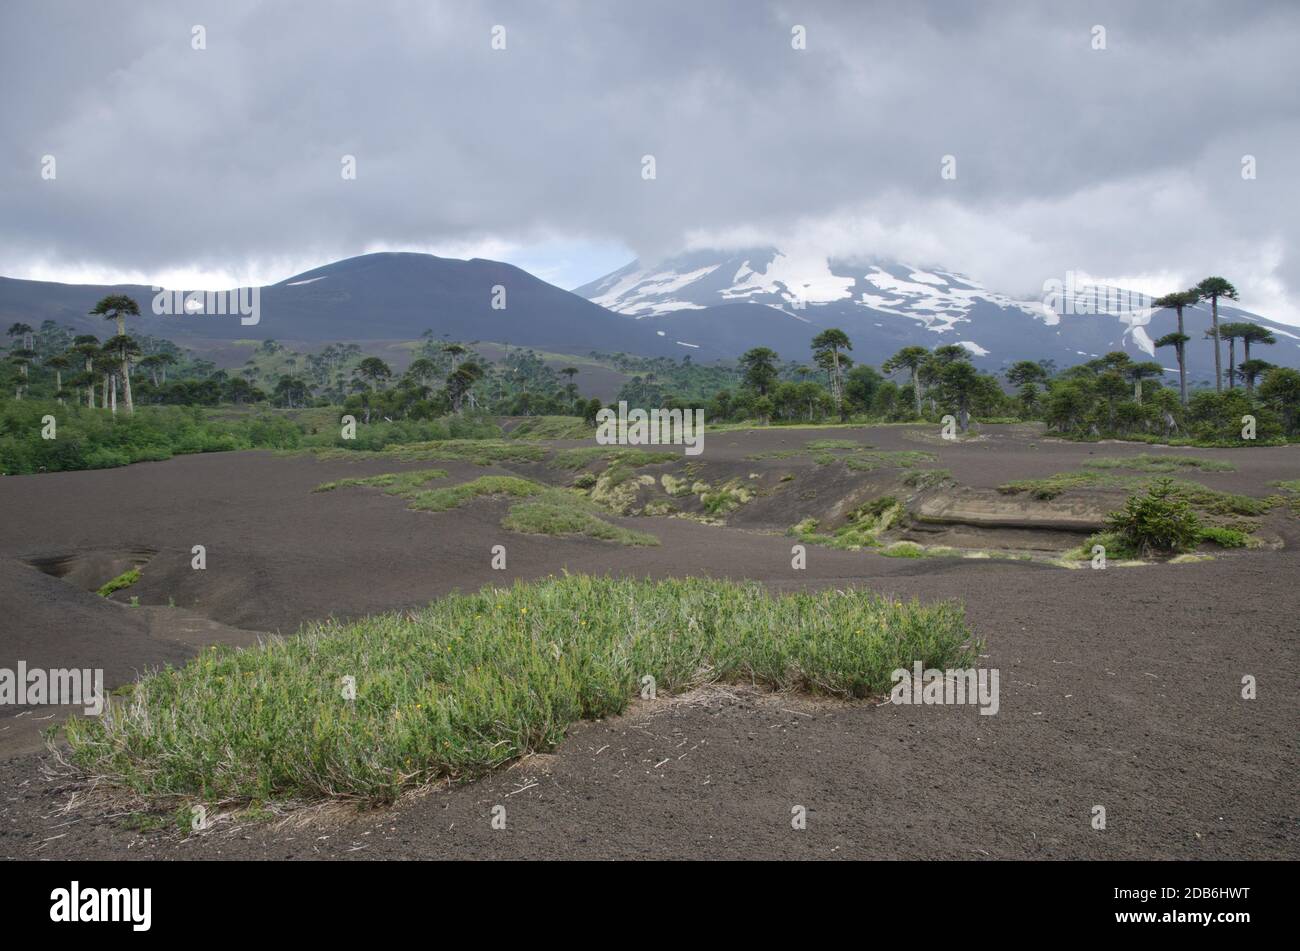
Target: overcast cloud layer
point(223, 164)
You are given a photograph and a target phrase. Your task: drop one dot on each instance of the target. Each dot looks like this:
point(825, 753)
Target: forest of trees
point(1110, 396)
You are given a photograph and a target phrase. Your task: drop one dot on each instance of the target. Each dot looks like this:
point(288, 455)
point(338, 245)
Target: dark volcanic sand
point(1119, 688)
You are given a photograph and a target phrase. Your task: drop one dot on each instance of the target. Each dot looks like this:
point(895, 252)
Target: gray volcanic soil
point(1119, 688)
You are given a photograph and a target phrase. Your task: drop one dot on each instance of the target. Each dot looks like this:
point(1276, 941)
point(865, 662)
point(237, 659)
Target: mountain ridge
point(708, 304)
point(884, 306)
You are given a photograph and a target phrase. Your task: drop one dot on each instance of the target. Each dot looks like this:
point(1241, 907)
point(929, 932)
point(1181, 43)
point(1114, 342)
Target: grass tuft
point(1151, 462)
point(542, 510)
point(396, 483)
point(474, 681)
point(124, 580)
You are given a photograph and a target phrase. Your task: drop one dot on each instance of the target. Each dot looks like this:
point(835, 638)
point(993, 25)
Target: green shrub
point(1160, 521)
point(1224, 537)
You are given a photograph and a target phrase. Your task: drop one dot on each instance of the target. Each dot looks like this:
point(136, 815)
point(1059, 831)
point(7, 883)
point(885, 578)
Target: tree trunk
point(113, 396)
point(103, 401)
point(916, 390)
point(835, 371)
point(126, 385)
point(1218, 360)
point(1182, 363)
point(1137, 390)
point(1232, 362)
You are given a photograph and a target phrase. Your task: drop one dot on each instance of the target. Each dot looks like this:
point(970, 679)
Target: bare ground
point(1120, 688)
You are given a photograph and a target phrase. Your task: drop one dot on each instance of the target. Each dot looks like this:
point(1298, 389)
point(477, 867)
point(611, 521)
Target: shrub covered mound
point(1160, 521)
point(544, 510)
point(475, 680)
point(94, 439)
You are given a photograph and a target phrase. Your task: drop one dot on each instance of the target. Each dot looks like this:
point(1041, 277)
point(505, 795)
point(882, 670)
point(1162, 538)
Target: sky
point(1107, 139)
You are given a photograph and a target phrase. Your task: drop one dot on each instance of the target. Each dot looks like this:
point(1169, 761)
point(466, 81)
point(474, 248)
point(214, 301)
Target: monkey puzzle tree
point(758, 366)
point(1232, 332)
point(117, 307)
point(1137, 372)
point(1254, 333)
point(374, 371)
point(1213, 288)
point(1251, 370)
point(21, 354)
point(1177, 301)
point(1179, 342)
point(826, 347)
point(58, 363)
point(959, 381)
point(909, 358)
point(460, 381)
point(123, 348)
point(87, 347)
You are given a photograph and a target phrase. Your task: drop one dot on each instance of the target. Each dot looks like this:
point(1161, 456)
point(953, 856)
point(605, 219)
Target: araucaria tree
point(909, 358)
point(117, 307)
point(960, 381)
point(759, 369)
point(1137, 372)
point(461, 381)
point(1178, 340)
point(21, 355)
point(1213, 288)
point(826, 347)
point(87, 346)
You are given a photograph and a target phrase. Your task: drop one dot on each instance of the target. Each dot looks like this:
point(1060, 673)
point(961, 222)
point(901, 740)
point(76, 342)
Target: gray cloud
point(1123, 162)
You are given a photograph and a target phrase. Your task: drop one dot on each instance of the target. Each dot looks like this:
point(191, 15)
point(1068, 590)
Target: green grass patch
point(567, 513)
point(396, 483)
point(124, 580)
point(726, 498)
point(862, 529)
point(1050, 487)
point(541, 509)
point(483, 452)
point(614, 455)
point(855, 455)
point(926, 478)
point(1224, 537)
point(1151, 462)
point(1116, 546)
point(474, 681)
point(831, 445)
point(454, 496)
point(1201, 497)
point(553, 427)
point(1291, 485)
point(871, 460)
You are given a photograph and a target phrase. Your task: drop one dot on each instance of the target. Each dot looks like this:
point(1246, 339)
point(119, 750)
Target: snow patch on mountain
point(938, 299)
point(1143, 340)
point(807, 279)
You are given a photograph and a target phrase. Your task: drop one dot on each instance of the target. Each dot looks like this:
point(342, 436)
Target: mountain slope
point(372, 297)
point(882, 307)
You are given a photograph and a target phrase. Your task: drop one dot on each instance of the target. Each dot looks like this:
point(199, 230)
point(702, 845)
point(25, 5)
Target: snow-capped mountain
point(696, 300)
